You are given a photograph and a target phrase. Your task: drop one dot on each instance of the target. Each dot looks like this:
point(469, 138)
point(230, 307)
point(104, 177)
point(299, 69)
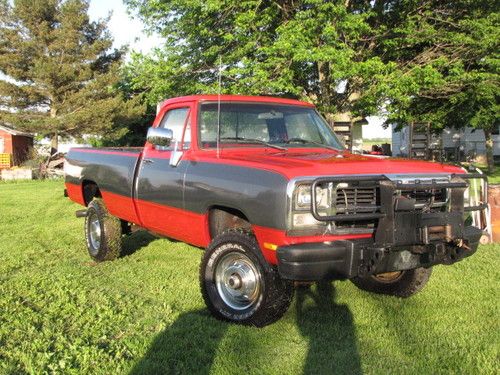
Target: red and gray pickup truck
point(266, 187)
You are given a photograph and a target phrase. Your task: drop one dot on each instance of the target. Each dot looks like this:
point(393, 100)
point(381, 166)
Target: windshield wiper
point(304, 141)
point(253, 140)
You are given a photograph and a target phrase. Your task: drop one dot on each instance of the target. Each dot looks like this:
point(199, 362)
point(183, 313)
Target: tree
point(447, 72)
point(59, 75)
point(301, 49)
point(431, 60)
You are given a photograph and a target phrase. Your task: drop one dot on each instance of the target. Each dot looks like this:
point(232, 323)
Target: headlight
point(303, 197)
point(323, 197)
point(301, 215)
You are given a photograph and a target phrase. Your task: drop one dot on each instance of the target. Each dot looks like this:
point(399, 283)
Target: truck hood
point(314, 162)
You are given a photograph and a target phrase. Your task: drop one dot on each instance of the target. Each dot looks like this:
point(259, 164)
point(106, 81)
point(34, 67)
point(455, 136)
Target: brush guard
point(405, 237)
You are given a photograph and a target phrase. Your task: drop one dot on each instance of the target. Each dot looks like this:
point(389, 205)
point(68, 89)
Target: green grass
point(62, 313)
point(494, 178)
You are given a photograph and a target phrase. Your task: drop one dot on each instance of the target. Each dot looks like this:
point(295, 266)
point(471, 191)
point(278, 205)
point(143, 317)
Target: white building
point(459, 142)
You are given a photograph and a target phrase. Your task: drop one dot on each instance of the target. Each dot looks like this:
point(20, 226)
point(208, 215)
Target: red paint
point(301, 162)
point(75, 193)
point(235, 98)
point(109, 152)
point(169, 221)
point(174, 222)
point(280, 238)
point(120, 206)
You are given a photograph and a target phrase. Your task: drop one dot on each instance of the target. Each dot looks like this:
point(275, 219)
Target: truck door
point(159, 185)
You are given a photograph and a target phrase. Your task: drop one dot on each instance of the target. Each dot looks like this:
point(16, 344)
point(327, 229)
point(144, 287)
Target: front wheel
point(401, 283)
point(237, 283)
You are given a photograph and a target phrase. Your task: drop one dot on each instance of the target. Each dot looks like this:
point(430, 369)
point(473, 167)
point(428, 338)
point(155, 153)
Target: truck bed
point(112, 169)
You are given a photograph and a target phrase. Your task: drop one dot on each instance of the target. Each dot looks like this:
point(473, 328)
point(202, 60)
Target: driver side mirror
point(160, 137)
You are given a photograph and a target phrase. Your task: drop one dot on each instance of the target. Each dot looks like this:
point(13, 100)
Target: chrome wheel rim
point(238, 281)
point(388, 277)
point(94, 233)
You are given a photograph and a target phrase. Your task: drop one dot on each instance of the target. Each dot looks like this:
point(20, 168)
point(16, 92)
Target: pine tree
point(58, 72)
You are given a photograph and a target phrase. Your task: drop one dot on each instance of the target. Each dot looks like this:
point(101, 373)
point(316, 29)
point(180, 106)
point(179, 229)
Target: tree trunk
point(489, 150)
point(54, 143)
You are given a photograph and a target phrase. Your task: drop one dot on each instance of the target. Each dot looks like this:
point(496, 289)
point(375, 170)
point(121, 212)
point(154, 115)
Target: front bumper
point(351, 258)
point(405, 238)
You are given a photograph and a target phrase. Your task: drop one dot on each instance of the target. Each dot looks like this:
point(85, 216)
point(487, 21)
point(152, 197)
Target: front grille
point(345, 204)
point(355, 200)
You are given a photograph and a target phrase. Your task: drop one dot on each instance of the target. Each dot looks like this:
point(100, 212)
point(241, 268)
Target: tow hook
point(462, 244)
point(81, 213)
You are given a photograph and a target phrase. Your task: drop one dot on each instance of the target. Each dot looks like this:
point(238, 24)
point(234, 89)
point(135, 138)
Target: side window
point(175, 119)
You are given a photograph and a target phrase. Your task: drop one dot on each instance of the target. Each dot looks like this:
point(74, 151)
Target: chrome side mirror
point(160, 137)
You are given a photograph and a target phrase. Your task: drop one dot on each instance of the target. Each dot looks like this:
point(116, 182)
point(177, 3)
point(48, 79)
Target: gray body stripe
point(259, 194)
point(111, 172)
point(194, 186)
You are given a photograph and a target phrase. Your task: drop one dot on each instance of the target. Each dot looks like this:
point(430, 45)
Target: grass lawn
point(494, 178)
point(62, 313)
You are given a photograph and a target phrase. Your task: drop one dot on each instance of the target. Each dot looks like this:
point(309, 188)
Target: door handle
point(148, 161)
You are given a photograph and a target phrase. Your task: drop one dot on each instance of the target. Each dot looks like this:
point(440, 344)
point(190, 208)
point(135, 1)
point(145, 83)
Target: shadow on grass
point(188, 346)
point(333, 350)
point(136, 241)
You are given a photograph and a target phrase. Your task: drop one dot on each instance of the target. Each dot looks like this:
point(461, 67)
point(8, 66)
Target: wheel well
point(90, 191)
point(222, 218)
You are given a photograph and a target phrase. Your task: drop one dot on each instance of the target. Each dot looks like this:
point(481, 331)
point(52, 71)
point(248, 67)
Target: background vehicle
point(266, 187)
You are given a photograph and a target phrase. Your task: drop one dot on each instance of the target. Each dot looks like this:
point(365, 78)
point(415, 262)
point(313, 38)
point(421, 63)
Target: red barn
point(14, 146)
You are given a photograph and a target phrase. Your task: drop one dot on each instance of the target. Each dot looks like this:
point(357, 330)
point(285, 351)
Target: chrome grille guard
point(387, 186)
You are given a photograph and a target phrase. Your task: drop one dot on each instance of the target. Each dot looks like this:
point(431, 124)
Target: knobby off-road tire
point(103, 232)
point(237, 283)
point(404, 284)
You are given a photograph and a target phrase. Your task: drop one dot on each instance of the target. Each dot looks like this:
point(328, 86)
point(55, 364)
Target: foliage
point(59, 75)
point(448, 65)
point(425, 61)
point(143, 314)
point(297, 49)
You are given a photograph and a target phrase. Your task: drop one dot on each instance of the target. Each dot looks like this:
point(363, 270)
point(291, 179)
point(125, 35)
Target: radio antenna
point(218, 106)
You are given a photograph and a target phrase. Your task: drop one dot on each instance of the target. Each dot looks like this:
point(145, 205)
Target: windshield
point(257, 124)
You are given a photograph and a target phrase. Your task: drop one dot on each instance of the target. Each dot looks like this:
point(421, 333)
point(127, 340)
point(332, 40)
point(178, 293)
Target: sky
point(124, 28)
point(374, 129)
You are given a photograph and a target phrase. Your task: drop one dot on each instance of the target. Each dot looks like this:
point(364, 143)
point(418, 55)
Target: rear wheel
point(103, 232)
point(237, 283)
point(401, 283)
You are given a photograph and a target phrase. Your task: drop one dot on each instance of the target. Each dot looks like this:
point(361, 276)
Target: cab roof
point(236, 98)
